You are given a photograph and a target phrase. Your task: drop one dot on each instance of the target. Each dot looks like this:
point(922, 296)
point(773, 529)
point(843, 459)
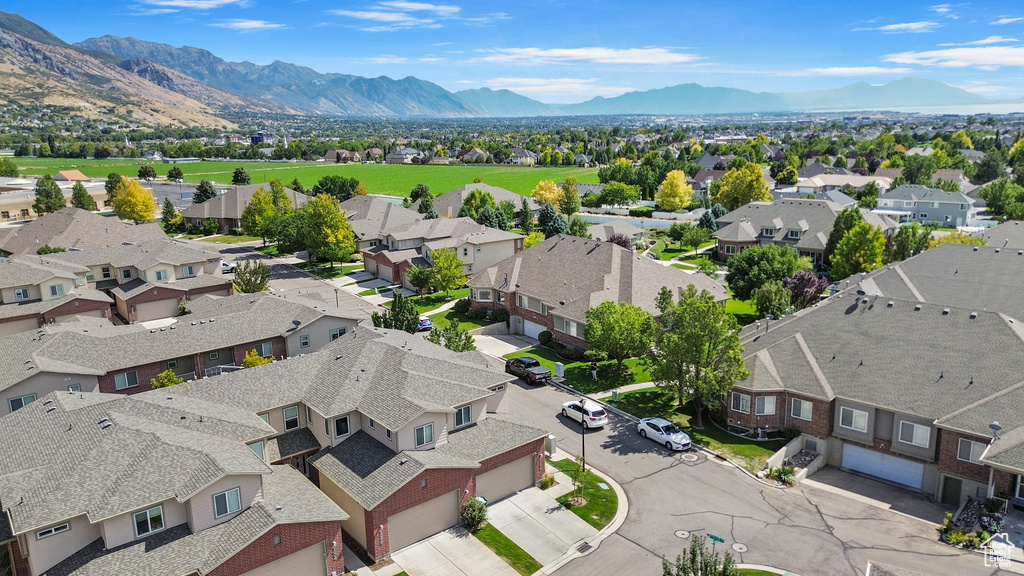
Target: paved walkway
point(453, 552)
point(541, 526)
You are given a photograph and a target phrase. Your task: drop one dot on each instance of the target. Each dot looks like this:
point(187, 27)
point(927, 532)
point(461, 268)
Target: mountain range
point(153, 83)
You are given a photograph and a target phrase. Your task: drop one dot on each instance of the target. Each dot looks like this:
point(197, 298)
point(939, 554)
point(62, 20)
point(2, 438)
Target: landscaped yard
point(432, 301)
point(743, 310)
point(231, 239)
point(326, 271)
point(508, 550)
point(602, 503)
point(750, 454)
point(443, 319)
point(578, 376)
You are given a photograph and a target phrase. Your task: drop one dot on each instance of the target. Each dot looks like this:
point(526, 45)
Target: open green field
point(395, 180)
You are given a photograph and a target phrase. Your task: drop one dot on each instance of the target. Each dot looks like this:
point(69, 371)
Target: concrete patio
point(541, 526)
point(453, 552)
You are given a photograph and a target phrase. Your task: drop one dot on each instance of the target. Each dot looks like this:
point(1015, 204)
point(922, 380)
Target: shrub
point(790, 433)
point(641, 211)
point(992, 522)
point(955, 537)
point(547, 481)
point(571, 353)
point(211, 226)
point(476, 313)
point(474, 514)
point(783, 474)
point(972, 540)
point(947, 523)
point(462, 306)
point(500, 315)
point(544, 338)
point(993, 505)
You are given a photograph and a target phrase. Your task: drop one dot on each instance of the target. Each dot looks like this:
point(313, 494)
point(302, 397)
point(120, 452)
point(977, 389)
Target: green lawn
point(396, 180)
point(443, 319)
point(508, 550)
point(748, 453)
point(750, 572)
point(743, 310)
point(231, 239)
point(326, 271)
point(269, 250)
point(578, 376)
point(601, 503)
point(376, 291)
point(430, 302)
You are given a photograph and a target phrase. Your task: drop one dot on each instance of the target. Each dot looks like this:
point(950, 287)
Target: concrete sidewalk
point(538, 524)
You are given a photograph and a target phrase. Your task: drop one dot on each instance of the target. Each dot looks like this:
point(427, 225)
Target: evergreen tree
point(204, 191)
point(49, 197)
point(113, 181)
point(80, 198)
point(525, 218)
point(551, 222)
point(240, 177)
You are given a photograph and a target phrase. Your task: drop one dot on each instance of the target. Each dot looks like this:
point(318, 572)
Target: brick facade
point(819, 426)
point(19, 564)
point(439, 481)
point(278, 347)
point(526, 314)
point(949, 445)
point(76, 306)
point(159, 293)
point(293, 538)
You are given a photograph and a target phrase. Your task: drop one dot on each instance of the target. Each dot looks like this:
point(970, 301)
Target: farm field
point(394, 180)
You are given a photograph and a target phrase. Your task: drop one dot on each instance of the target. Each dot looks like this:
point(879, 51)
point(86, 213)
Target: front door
point(951, 489)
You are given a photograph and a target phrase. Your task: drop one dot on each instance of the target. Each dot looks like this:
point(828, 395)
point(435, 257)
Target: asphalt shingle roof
point(76, 228)
point(448, 204)
point(814, 219)
point(142, 256)
point(25, 270)
point(16, 309)
point(138, 286)
point(372, 217)
point(231, 203)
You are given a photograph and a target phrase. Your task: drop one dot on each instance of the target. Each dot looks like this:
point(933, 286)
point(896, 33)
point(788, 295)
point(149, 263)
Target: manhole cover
point(682, 534)
point(690, 457)
point(741, 548)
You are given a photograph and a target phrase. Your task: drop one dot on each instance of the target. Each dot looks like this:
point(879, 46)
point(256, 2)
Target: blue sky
point(558, 52)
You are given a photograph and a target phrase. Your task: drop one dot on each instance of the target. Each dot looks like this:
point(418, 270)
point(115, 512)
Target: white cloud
point(196, 4)
point(849, 71)
point(1006, 20)
point(402, 15)
point(947, 10)
point(979, 87)
point(441, 44)
point(534, 56)
point(903, 28)
point(388, 59)
point(983, 57)
point(553, 86)
point(431, 59)
point(989, 40)
point(247, 25)
point(422, 7)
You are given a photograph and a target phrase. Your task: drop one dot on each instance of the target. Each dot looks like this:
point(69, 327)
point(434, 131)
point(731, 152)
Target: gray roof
point(25, 270)
point(138, 286)
point(76, 228)
point(288, 498)
point(231, 203)
point(436, 229)
point(814, 219)
point(291, 443)
point(372, 218)
point(449, 203)
point(605, 230)
point(570, 275)
point(915, 358)
point(18, 309)
point(918, 193)
point(1009, 234)
point(390, 376)
point(142, 256)
point(466, 235)
point(59, 457)
point(371, 472)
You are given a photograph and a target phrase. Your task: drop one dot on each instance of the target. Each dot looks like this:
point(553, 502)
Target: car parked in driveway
point(425, 324)
point(664, 432)
point(529, 369)
point(588, 414)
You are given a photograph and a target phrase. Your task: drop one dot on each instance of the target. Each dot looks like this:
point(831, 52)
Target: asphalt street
point(805, 530)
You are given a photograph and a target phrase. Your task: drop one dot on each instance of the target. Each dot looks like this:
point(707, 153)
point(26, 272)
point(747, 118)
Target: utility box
point(559, 370)
point(550, 445)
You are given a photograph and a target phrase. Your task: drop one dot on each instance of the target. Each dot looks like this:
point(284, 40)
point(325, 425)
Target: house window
point(337, 333)
point(257, 449)
point(265, 417)
point(465, 251)
point(188, 271)
point(21, 401)
point(53, 530)
point(469, 267)
point(730, 249)
point(149, 521)
point(214, 355)
point(24, 212)
point(801, 409)
point(126, 274)
point(569, 327)
point(126, 380)
point(387, 433)
point(424, 435)
point(907, 204)
point(161, 275)
point(105, 272)
point(767, 231)
point(970, 451)
point(57, 290)
point(923, 215)
point(309, 414)
point(853, 419)
point(304, 341)
point(793, 235)
point(947, 218)
point(5, 214)
point(764, 405)
point(482, 295)
point(498, 388)
point(227, 502)
point(963, 207)
point(327, 427)
point(915, 434)
point(291, 418)
point(74, 387)
point(341, 427)
point(741, 402)
point(478, 248)
point(501, 297)
point(90, 276)
point(21, 294)
point(371, 423)
point(463, 416)
point(265, 350)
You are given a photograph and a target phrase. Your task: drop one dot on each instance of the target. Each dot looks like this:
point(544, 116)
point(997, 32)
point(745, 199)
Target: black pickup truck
point(529, 369)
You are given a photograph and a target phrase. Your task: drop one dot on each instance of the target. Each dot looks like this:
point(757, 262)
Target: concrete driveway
point(498, 345)
point(453, 552)
point(541, 526)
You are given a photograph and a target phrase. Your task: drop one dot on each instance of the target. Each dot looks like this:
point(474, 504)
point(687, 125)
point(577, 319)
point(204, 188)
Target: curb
point(595, 542)
point(763, 568)
point(628, 416)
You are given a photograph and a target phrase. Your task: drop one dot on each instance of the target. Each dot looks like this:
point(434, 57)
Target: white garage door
point(532, 329)
point(154, 310)
point(8, 328)
point(384, 273)
point(306, 561)
point(885, 466)
point(424, 520)
point(505, 480)
point(370, 266)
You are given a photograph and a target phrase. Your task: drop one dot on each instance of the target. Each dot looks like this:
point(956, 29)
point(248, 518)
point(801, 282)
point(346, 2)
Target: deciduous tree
point(475, 202)
point(257, 214)
point(147, 172)
point(741, 186)
point(448, 273)
point(805, 288)
point(771, 298)
point(402, 315)
point(907, 241)
point(133, 202)
point(622, 240)
point(758, 265)
point(532, 238)
point(546, 192)
point(165, 379)
point(80, 198)
point(253, 358)
point(860, 250)
point(453, 337)
point(421, 277)
point(8, 169)
point(619, 330)
point(339, 187)
point(696, 351)
point(175, 174)
point(844, 222)
point(675, 192)
point(325, 230)
point(958, 237)
point(569, 198)
point(252, 276)
point(618, 194)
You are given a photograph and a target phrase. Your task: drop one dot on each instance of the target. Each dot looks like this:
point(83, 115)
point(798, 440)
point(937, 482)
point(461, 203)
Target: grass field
point(395, 180)
point(602, 503)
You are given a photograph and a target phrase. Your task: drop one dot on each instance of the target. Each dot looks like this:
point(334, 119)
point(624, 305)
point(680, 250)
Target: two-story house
point(155, 483)
point(551, 286)
point(371, 218)
point(124, 359)
point(75, 229)
point(403, 247)
point(150, 280)
point(35, 291)
point(449, 204)
point(228, 205)
point(914, 203)
point(822, 183)
point(399, 432)
point(803, 225)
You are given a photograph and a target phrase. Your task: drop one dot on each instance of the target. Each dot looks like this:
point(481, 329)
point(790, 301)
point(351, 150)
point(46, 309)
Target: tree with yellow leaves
point(741, 186)
point(547, 192)
point(326, 231)
point(133, 202)
point(675, 193)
